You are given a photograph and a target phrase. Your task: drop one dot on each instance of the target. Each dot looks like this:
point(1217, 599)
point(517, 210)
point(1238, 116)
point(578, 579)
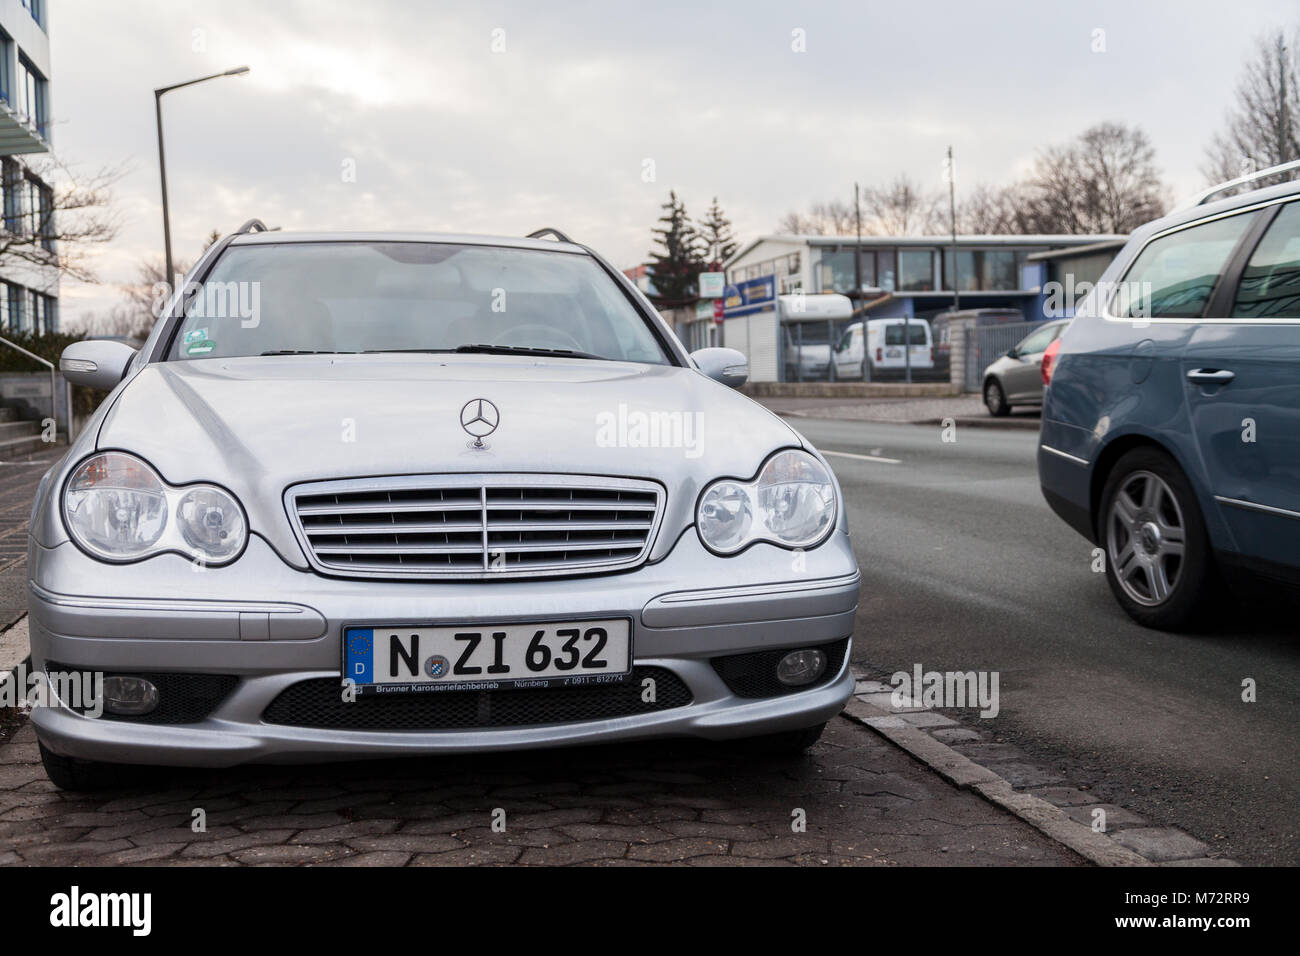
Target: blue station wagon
point(1171, 425)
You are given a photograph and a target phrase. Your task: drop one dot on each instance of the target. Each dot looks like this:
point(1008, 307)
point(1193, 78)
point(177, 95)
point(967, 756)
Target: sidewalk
point(18, 481)
point(855, 800)
point(962, 409)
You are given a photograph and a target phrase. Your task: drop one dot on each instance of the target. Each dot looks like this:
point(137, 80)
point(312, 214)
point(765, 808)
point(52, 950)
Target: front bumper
point(273, 626)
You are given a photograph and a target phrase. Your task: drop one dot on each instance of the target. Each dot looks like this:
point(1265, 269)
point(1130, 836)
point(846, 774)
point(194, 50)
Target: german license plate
point(406, 660)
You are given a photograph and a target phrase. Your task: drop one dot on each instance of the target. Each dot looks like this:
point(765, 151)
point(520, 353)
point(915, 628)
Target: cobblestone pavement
point(672, 802)
point(18, 481)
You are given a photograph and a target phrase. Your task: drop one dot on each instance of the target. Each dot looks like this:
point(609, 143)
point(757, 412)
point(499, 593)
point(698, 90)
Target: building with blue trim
point(911, 276)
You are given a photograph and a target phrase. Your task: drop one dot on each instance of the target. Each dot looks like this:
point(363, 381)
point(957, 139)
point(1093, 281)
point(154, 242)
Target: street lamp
point(162, 162)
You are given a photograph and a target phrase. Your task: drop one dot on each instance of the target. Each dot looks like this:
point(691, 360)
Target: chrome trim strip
point(165, 605)
point(1256, 506)
point(1068, 457)
point(757, 590)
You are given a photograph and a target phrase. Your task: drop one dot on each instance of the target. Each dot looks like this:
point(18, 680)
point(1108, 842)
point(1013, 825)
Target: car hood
point(260, 424)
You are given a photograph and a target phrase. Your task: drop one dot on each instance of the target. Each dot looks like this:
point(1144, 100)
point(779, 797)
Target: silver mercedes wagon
point(369, 495)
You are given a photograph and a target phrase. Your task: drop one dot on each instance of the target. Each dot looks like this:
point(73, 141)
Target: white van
point(880, 350)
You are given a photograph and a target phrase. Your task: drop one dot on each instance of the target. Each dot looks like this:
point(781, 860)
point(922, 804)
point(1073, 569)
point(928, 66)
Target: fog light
point(129, 696)
point(801, 667)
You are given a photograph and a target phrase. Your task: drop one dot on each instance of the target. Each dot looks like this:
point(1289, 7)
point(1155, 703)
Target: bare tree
point(901, 208)
point(1104, 181)
point(992, 210)
point(833, 218)
point(1263, 127)
point(144, 297)
point(58, 223)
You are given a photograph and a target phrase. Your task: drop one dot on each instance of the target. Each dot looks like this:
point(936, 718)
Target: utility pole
point(162, 159)
point(857, 280)
point(952, 213)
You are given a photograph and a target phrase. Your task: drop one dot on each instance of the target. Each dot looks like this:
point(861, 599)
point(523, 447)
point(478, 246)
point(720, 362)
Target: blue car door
point(1241, 370)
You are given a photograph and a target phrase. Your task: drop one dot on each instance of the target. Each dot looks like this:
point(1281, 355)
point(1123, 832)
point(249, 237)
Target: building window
point(984, 270)
point(17, 320)
point(886, 266)
point(12, 179)
point(6, 81)
point(915, 270)
point(998, 271)
point(836, 270)
point(30, 96)
point(867, 263)
point(37, 211)
point(37, 9)
point(967, 274)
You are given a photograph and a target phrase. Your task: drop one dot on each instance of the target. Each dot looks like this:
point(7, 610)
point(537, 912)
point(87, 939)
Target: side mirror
point(97, 363)
point(727, 366)
point(1012, 353)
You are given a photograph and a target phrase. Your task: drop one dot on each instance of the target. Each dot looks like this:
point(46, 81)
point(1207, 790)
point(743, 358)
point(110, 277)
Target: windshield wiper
point(526, 350)
point(306, 352)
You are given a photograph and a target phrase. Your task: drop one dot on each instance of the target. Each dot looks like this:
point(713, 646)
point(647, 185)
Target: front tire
point(995, 400)
point(69, 773)
point(1159, 563)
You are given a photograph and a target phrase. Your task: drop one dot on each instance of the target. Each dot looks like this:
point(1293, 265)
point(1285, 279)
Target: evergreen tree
point(717, 242)
point(676, 260)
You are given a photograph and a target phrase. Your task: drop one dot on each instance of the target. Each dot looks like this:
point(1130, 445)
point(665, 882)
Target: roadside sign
point(711, 285)
point(705, 309)
point(717, 311)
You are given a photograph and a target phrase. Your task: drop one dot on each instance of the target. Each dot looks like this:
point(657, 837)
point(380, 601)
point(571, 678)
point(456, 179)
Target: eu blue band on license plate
point(360, 654)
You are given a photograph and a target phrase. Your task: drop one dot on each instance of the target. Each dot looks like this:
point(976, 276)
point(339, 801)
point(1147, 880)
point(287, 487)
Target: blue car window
point(1270, 286)
point(1175, 275)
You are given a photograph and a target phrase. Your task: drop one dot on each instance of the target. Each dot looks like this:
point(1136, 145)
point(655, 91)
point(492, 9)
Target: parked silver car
point(1017, 377)
point(377, 495)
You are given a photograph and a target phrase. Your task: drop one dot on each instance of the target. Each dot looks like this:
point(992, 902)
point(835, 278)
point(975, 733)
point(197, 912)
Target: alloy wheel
point(1146, 538)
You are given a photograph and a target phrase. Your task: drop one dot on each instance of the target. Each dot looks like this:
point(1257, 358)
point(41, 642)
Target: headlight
point(791, 503)
point(117, 508)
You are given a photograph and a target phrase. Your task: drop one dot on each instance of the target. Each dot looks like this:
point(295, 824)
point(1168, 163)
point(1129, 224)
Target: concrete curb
point(15, 649)
point(1050, 820)
point(1013, 424)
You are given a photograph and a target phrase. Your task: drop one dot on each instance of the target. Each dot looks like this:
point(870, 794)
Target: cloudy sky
point(446, 133)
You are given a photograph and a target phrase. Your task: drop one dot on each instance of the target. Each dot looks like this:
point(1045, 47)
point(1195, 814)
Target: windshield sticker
point(200, 348)
point(196, 335)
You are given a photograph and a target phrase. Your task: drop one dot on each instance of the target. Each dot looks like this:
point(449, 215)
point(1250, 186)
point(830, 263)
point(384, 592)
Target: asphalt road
point(965, 568)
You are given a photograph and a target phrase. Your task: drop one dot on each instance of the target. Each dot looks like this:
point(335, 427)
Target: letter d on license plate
point(403, 659)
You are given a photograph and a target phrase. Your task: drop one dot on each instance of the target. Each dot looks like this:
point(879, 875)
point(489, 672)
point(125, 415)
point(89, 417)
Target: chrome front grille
point(475, 526)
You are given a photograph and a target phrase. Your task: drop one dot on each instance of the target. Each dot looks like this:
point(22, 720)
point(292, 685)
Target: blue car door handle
point(1211, 376)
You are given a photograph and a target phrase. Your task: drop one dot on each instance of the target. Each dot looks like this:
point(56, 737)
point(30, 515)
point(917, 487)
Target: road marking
point(875, 458)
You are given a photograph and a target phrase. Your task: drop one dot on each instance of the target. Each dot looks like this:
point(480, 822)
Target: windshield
point(916, 331)
point(410, 296)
